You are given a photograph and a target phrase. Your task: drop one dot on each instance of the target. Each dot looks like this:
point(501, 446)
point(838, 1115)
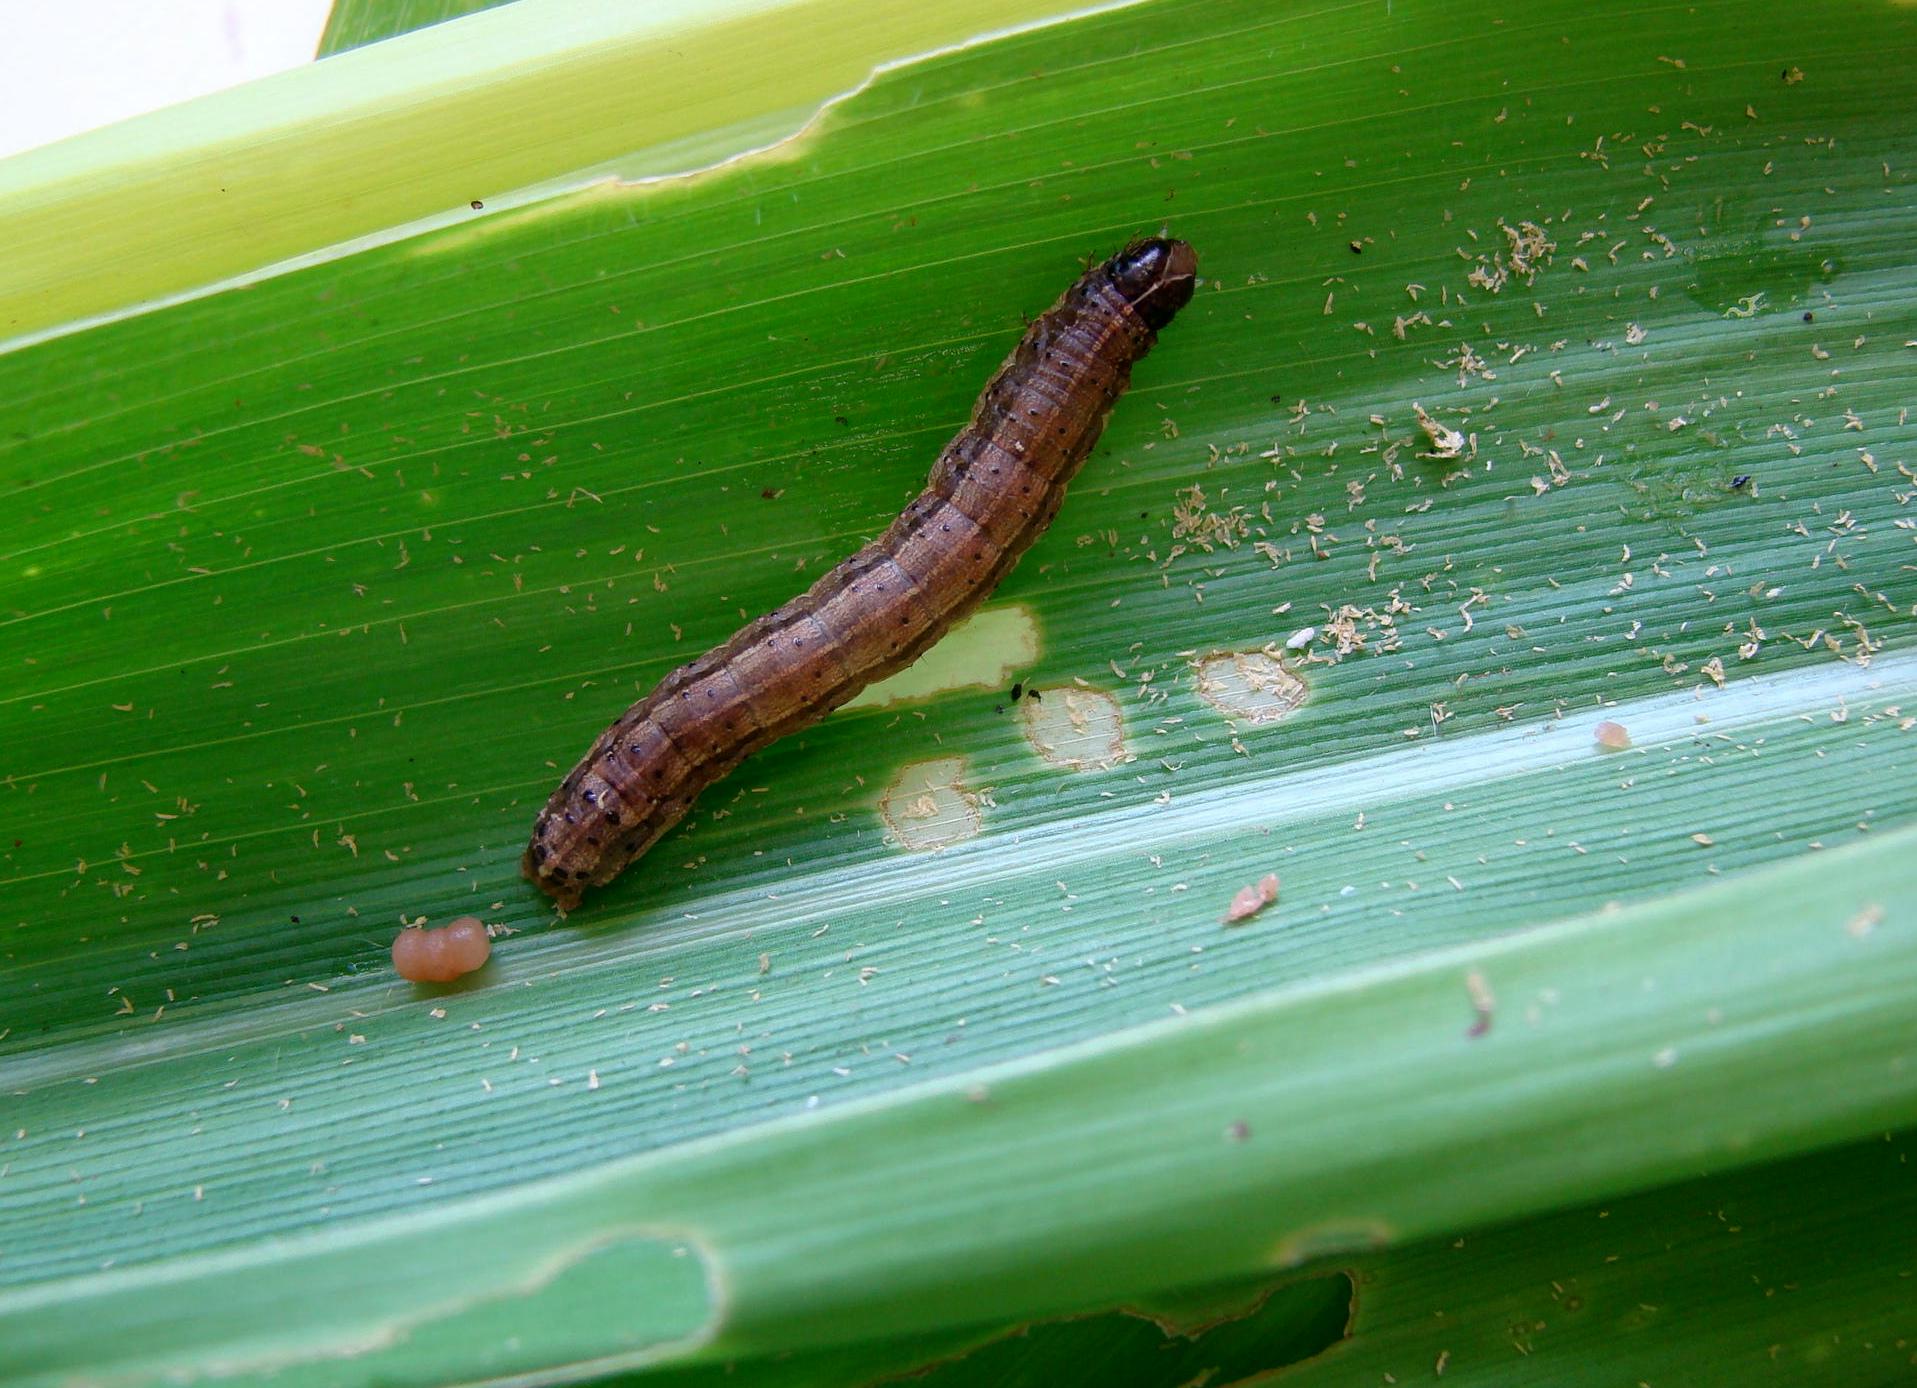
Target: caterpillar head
point(1156, 276)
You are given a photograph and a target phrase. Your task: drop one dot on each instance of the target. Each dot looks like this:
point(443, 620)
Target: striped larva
point(993, 491)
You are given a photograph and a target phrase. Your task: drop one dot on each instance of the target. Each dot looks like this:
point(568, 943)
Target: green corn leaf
point(1547, 373)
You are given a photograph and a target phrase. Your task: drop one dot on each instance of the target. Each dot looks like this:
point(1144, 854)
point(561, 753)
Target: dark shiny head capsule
point(1156, 276)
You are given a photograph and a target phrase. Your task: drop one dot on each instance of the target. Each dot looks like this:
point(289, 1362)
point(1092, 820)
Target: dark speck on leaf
point(1741, 481)
point(1032, 694)
point(477, 204)
point(1809, 317)
point(1357, 248)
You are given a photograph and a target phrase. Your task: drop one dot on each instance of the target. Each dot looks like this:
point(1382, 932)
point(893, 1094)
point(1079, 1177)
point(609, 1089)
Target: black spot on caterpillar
point(993, 491)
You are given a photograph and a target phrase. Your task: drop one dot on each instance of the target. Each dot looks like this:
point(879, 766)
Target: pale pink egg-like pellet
point(1612, 737)
point(1253, 899)
point(440, 956)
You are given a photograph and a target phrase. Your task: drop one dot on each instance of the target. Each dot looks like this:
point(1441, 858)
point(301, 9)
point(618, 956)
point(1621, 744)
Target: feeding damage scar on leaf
point(1078, 729)
point(1255, 686)
point(992, 493)
point(928, 805)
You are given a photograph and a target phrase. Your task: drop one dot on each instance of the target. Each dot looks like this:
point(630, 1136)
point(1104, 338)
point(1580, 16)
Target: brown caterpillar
point(993, 491)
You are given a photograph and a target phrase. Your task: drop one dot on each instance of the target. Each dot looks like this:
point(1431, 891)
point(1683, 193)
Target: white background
point(71, 65)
